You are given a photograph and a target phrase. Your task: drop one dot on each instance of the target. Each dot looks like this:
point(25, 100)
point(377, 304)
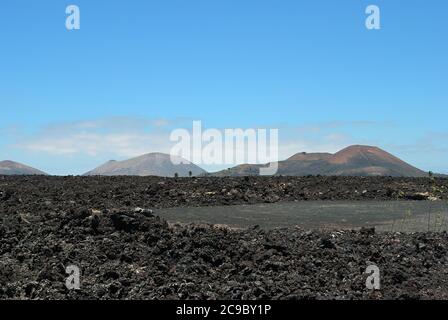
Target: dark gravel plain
point(125, 252)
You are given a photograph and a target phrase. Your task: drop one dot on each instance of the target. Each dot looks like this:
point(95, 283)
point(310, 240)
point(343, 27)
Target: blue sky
point(71, 100)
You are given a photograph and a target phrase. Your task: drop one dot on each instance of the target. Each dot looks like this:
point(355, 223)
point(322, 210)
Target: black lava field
point(109, 228)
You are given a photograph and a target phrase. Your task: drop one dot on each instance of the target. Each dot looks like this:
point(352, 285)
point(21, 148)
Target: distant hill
point(355, 160)
point(151, 164)
point(10, 168)
point(370, 161)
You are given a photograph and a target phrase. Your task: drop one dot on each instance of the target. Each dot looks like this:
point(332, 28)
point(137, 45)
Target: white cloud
point(94, 144)
point(121, 137)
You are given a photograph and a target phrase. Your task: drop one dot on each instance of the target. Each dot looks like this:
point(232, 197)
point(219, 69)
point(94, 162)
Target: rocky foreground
point(125, 252)
point(136, 255)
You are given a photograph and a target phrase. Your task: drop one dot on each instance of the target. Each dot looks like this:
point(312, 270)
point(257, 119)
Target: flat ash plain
point(125, 252)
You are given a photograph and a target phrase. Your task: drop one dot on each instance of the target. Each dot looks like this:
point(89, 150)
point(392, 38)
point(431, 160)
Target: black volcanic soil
point(123, 253)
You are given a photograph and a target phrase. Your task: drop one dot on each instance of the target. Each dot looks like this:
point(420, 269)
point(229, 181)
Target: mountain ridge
point(355, 160)
point(8, 167)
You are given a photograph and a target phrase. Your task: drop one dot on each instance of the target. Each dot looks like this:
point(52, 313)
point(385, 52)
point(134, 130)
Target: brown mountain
point(370, 161)
point(10, 168)
point(352, 161)
point(151, 164)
